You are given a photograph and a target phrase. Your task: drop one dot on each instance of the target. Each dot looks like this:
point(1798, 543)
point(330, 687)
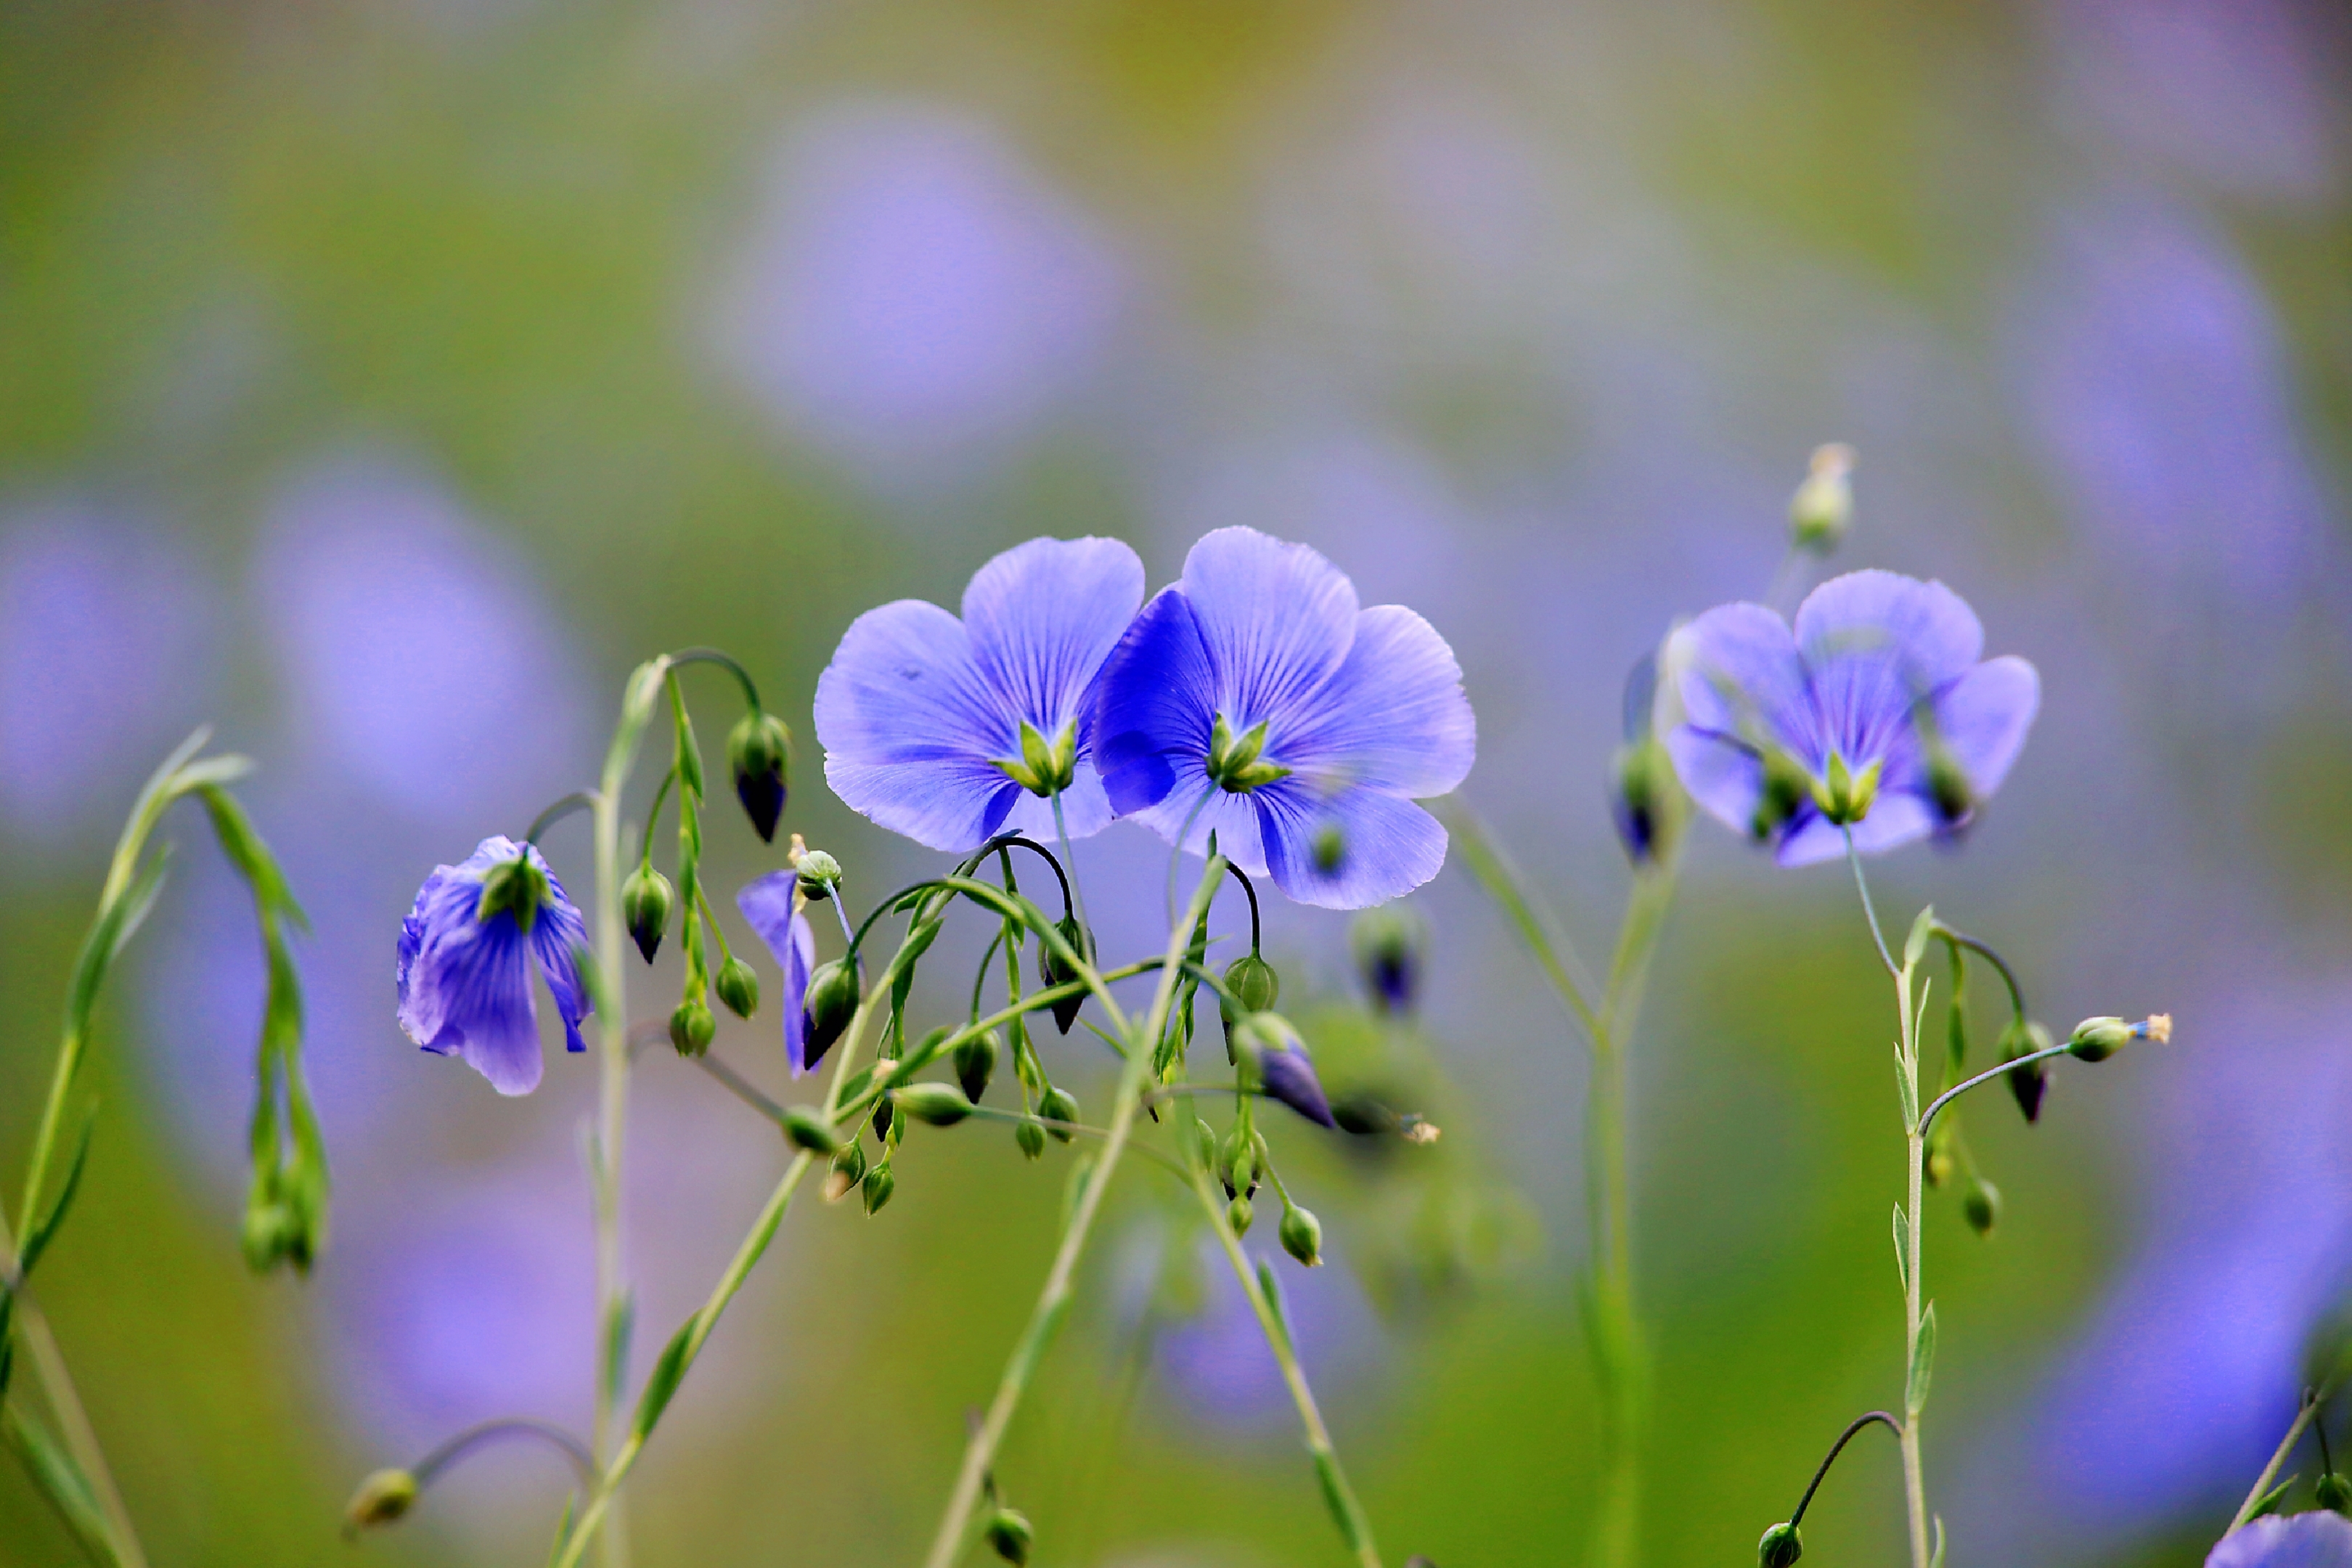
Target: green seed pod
point(808, 1130)
point(935, 1104)
point(820, 873)
point(647, 898)
point(847, 1171)
point(1238, 1213)
point(691, 1028)
point(2097, 1039)
point(877, 1188)
point(1009, 1536)
point(975, 1060)
point(1781, 1547)
point(1302, 1236)
point(382, 1498)
point(1253, 983)
point(1980, 1205)
point(737, 987)
point(1237, 1162)
point(1057, 1105)
point(1030, 1138)
point(2334, 1493)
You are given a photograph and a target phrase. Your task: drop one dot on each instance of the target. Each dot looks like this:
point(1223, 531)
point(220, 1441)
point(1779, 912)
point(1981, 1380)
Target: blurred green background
point(381, 381)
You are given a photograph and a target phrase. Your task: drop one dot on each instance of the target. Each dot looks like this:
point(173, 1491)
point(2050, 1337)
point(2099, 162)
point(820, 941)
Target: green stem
point(1054, 1300)
point(2303, 1417)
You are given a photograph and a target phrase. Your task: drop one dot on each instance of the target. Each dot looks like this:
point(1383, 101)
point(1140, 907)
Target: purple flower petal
point(1723, 775)
point(1740, 678)
point(1043, 616)
point(1386, 846)
point(1277, 619)
point(1393, 718)
point(1983, 716)
point(2316, 1540)
point(767, 904)
point(1895, 820)
point(558, 940)
point(1873, 644)
point(1153, 711)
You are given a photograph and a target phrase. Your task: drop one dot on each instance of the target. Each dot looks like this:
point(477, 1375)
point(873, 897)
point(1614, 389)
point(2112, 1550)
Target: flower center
point(1234, 762)
point(1844, 795)
point(1045, 767)
point(513, 887)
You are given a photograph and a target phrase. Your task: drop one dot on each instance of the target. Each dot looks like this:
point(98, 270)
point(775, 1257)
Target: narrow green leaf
point(1271, 1288)
point(1935, 1558)
point(59, 1479)
point(619, 1325)
point(1914, 946)
point(1335, 1498)
point(39, 1235)
point(139, 901)
point(1905, 1091)
point(668, 1374)
point(2272, 1499)
point(564, 1529)
point(1923, 1363)
point(1903, 1249)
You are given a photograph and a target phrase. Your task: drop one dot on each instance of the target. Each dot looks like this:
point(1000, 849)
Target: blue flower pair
point(1254, 698)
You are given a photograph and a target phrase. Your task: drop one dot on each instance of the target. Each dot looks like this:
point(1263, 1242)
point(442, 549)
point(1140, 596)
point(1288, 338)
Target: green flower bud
point(1253, 984)
point(1781, 1547)
point(2097, 1039)
point(691, 1028)
point(1057, 1105)
point(645, 901)
point(1980, 1205)
point(1204, 1140)
point(2031, 1082)
point(830, 1002)
point(1237, 1162)
point(1030, 1138)
point(935, 1104)
point(1302, 1236)
point(382, 1498)
point(975, 1060)
point(1238, 1213)
point(2334, 1493)
point(737, 987)
point(759, 752)
point(808, 1130)
point(1009, 1536)
point(1052, 970)
point(1822, 509)
point(848, 1169)
point(820, 873)
point(877, 1188)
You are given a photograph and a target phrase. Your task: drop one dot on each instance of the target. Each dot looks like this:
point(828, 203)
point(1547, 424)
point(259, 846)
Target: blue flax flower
point(2314, 1540)
point(466, 955)
point(1873, 713)
point(772, 906)
point(951, 730)
point(1255, 700)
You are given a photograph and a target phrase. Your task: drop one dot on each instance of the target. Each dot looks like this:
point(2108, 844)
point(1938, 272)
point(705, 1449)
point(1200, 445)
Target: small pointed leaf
point(1923, 1363)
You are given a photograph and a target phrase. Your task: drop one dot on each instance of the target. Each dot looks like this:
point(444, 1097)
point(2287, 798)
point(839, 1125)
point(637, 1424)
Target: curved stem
point(2007, 975)
point(1927, 1117)
point(725, 662)
point(578, 800)
point(652, 817)
point(1852, 1429)
point(1853, 858)
point(1257, 931)
point(449, 1453)
point(1054, 1300)
point(1073, 897)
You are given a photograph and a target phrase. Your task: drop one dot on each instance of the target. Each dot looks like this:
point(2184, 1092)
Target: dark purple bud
point(2028, 1083)
point(1390, 943)
point(1052, 970)
point(759, 750)
point(1283, 1069)
point(826, 1008)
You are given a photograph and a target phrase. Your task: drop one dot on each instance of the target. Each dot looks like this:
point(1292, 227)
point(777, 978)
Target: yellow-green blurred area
point(381, 381)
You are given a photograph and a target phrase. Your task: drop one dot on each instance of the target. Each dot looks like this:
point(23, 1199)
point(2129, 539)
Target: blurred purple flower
point(769, 905)
point(923, 715)
point(1255, 699)
point(915, 294)
point(104, 650)
point(419, 656)
point(465, 977)
point(1879, 684)
point(2316, 1540)
point(1217, 1366)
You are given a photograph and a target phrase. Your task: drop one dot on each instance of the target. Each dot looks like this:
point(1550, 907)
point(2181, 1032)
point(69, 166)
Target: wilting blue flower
point(465, 978)
point(950, 730)
point(2314, 1540)
point(1255, 699)
point(768, 904)
point(1873, 713)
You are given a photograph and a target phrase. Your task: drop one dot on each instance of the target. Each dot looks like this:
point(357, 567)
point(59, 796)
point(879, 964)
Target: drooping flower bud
point(2031, 1082)
point(691, 1028)
point(1278, 1057)
point(1302, 1236)
point(1365, 1116)
point(848, 1170)
point(809, 1131)
point(1009, 1536)
point(2334, 1493)
point(1053, 970)
point(1237, 1162)
point(934, 1104)
point(759, 750)
point(1057, 1104)
point(737, 987)
point(1822, 509)
point(1390, 944)
point(383, 1497)
point(647, 898)
point(1251, 981)
point(827, 1007)
point(819, 873)
point(1781, 1547)
point(1030, 1138)
point(1239, 1214)
point(877, 1188)
point(1980, 1205)
point(975, 1061)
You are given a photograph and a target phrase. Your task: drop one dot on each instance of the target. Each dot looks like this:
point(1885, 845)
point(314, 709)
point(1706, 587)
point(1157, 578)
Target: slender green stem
point(2311, 1408)
point(724, 661)
point(1346, 1512)
point(1854, 1429)
point(451, 1451)
point(578, 800)
point(1053, 1301)
point(1072, 889)
point(1870, 912)
point(1915, 1485)
point(1927, 1117)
